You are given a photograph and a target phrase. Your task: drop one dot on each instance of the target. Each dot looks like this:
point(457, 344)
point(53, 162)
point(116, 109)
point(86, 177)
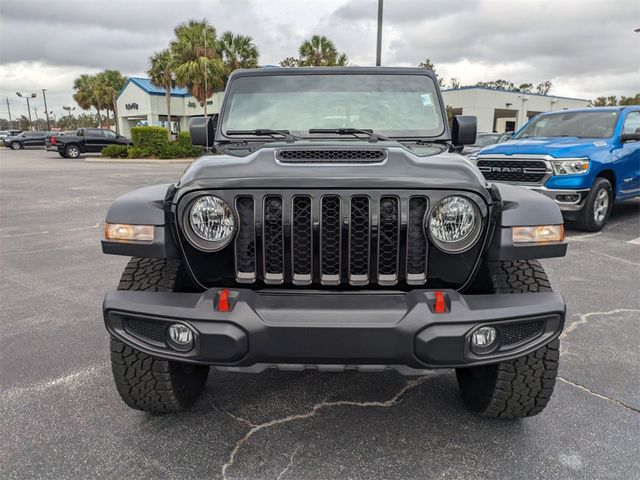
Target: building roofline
point(473, 87)
point(141, 83)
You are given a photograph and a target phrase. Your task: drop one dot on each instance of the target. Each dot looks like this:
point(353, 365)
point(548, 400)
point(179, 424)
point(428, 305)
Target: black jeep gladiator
point(339, 229)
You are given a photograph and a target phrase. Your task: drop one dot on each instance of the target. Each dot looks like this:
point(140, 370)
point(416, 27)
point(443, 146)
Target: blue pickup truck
point(584, 159)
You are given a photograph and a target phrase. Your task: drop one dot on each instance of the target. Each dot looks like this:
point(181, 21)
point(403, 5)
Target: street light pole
point(46, 111)
point(33, 95)
point(379, 43)
point(9, 110)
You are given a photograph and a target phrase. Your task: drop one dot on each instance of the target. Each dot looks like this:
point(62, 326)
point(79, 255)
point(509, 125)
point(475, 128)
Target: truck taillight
point(53, 140)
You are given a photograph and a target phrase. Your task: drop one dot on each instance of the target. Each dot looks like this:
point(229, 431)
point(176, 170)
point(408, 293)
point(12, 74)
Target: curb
point(138, 160)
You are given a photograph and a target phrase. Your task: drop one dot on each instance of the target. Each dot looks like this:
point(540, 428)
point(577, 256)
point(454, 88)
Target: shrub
point(152, 139)
point(179, 150)
point(115, 151)
point(139, 152)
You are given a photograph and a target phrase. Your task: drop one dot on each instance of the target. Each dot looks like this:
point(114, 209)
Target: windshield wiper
point(266, 132)
point(372, 136)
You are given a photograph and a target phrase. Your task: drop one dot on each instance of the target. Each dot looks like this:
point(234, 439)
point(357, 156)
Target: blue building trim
point(149, 88)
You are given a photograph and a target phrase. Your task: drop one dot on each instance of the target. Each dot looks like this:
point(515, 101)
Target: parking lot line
point(635, 241)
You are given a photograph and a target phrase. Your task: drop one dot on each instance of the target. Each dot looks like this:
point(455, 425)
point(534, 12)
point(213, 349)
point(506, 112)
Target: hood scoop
point(356, 155)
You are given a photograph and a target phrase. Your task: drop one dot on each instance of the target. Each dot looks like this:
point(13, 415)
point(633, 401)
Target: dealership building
point(142, 103)
point(502, 111)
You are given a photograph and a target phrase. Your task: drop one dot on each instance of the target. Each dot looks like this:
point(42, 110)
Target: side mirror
point(629, 137)
point(202, 130)
point(463, 130)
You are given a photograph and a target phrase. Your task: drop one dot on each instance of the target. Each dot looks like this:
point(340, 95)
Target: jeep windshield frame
point(403, 104)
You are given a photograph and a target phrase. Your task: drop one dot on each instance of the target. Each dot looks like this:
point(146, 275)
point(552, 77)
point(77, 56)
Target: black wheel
point(16, 145)
point(521, 387)
point(145, 382)
point(597, 206)
point(72, 151)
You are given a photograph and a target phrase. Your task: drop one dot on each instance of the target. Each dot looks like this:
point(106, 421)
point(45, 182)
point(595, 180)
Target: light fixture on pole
point(69, 109)
point(32, 95)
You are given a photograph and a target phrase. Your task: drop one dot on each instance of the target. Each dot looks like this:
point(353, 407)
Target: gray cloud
point(586, 48)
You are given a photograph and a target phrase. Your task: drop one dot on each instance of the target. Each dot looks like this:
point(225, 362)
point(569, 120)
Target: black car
point(368, 244)
point(87, 140)
point(26, 139)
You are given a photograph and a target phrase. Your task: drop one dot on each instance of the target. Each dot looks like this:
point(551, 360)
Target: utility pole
point(9, 110)
point(379, 44)
point(46, 111)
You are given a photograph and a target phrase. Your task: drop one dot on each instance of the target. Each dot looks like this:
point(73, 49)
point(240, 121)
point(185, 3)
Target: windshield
point(595, 124)
point(484, 140)
point(393, 105)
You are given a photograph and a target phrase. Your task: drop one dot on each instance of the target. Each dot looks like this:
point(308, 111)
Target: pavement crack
point(598, 395)
point(584, 318)
point(311, 413)
point(290, 464)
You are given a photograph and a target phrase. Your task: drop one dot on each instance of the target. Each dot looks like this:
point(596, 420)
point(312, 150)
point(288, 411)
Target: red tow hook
point(223, 304)
point(440, 305)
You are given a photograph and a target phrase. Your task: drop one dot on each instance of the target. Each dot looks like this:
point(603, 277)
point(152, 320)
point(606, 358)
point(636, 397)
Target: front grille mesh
point(528, 171)
point(330, 235)
point(147, 330)
point(273, 235)
point(332, 239)
point(519, 332)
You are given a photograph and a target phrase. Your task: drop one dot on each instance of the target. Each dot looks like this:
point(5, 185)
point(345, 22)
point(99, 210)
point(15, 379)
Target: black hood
point(400, 169)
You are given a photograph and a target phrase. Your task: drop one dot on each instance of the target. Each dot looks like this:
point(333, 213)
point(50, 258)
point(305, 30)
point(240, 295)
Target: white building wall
point(483, 103)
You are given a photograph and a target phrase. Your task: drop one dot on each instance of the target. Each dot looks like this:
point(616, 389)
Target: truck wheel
point(72, 151)
point(145, 382)
point(597, 206)
point(16, 145)
point(521, 387)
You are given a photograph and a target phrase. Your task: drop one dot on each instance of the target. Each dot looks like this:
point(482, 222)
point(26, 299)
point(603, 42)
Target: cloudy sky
point(587, 48)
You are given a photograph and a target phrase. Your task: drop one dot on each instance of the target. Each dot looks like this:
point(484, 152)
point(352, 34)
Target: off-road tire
point(143, 381)
point(521, 387)
point(586, 219)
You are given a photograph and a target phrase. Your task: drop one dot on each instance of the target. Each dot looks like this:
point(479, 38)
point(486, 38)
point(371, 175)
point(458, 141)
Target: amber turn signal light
point(538, 234)
point(122, 232)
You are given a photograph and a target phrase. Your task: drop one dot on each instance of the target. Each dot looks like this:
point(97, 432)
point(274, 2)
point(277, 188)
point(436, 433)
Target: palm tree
point(237, 51)
point(161, 75)
point(319, 51)
point(86, 93)
point(108, 85)
point(197, 64)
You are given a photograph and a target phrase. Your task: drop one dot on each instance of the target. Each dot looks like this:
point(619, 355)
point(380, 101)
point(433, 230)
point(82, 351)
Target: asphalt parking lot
point(61, 417)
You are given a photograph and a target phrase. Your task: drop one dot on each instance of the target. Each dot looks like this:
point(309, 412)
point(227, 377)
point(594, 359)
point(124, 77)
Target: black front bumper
point(319, 328)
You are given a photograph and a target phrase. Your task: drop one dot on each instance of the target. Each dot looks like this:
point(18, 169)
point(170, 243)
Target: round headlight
point(454, 224)
point(212, 220)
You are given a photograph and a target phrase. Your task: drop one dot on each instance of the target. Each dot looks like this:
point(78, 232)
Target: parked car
point(484, 140)
point(8, 133)
point(584, 159)
point(370, 246)
point(25, 139)
point(87, 140)
point(51, 140)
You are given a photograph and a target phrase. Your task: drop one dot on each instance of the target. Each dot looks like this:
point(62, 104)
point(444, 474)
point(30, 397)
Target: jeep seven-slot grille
point(528, 171)
point(331, 239)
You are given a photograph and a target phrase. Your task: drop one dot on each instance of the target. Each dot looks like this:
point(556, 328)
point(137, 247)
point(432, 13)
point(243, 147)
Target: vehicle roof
point(272, 70)
point(616, 108)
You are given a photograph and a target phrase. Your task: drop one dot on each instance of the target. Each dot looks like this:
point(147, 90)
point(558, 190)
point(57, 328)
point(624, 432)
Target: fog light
point(180, 336)
point(484, 338)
